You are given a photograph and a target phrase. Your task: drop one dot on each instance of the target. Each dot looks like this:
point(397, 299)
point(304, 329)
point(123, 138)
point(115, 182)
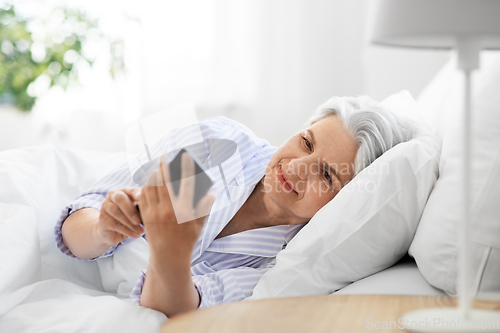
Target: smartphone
point(203, 182)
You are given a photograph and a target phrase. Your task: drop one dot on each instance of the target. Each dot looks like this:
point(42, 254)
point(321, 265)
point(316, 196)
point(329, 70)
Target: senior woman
point(220, 258)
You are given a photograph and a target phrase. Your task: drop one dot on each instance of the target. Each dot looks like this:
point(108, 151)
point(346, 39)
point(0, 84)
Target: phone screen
point(203, 182)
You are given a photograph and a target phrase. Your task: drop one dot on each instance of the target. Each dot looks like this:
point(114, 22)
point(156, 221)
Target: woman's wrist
point(168, 261)
point(166, 241)
point(169, 287)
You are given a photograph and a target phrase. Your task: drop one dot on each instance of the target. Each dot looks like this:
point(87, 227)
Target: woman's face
point(311, 167)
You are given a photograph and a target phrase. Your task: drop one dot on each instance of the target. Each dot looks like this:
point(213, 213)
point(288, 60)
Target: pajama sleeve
point(229, 285)
point(218, 287)
point(93, 198)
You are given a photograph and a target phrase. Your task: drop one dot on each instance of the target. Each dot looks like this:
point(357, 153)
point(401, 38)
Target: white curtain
point(265, 63)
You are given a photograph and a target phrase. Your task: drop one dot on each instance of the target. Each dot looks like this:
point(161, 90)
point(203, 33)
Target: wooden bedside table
point(328, 313)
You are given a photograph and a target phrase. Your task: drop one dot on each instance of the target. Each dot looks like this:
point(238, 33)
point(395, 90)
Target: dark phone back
point(202, 182)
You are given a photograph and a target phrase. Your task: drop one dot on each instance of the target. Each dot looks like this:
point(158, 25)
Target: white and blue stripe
point(226, 269)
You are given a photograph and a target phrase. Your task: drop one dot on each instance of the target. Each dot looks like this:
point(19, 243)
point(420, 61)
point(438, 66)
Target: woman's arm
point(168, 287)
point(88, 233)
point(172, 229)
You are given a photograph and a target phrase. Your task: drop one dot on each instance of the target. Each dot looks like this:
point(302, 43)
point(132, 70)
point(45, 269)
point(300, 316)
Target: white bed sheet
point(41, 289)
point(403, 278)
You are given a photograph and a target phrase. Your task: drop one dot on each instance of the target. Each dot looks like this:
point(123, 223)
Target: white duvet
point(41, 289)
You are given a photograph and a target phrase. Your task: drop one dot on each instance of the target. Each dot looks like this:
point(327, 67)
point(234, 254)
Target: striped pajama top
point(225, 269)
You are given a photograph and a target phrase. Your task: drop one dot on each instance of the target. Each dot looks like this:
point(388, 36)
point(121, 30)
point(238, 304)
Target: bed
point(43, 290)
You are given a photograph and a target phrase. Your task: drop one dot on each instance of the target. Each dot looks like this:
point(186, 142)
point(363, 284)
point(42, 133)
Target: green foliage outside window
point(26, 53)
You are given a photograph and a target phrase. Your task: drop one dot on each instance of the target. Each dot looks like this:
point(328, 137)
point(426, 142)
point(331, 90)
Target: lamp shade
point(435, 23)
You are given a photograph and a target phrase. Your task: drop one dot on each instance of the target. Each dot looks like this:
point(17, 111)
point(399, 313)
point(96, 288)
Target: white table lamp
point(467, 26)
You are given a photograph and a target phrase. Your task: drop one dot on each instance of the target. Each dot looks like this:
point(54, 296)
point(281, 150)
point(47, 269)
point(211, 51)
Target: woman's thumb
point(137, 194)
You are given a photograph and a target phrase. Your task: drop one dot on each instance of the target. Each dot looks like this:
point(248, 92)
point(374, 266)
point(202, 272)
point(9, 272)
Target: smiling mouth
point(284, 182)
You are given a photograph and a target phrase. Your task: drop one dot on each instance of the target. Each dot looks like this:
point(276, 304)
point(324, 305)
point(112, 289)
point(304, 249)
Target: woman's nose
point(298, 167)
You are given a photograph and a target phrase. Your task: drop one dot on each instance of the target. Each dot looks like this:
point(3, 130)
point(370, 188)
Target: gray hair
point(375, 128)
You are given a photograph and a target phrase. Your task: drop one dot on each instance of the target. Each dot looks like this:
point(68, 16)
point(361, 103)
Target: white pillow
point(366, 228)
point(435, 247)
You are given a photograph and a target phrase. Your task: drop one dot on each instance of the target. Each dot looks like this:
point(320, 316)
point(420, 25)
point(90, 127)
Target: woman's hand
point(172, 226)
point(119, 217)
point(172, 229)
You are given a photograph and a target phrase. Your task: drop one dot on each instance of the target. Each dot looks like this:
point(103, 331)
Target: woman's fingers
point(155, 179)
point(161, 201)
point(118, 217)
point(150, 190)
point(126, 205)
point(165, 168)
point(167, 192)
point(187, 186)
point(117, 226)
point(133, 192)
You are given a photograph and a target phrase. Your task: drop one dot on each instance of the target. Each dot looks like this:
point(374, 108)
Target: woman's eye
point(308, 144)
point(327, 176)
